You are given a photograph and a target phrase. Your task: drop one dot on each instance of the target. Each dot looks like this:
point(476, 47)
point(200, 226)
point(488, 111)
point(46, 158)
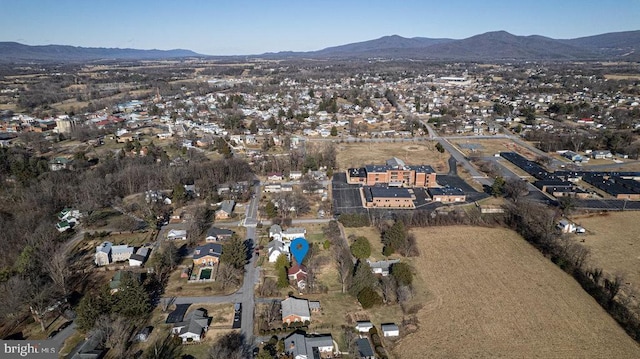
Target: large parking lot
point(346, 197)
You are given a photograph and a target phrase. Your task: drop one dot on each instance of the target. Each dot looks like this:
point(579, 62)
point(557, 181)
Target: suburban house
point(226, 209)
point(207, 254)
point(390, 330)
point(363, 326)
point(139, 257)
point(69, 214)
point(272, 187)
point(59, 163)
point(92, 347)
point(177, 234)
point(215, 234)
point(395, 173)
point(303, 346)
point(275, 248)
point(364, 349)
point(295, 175)
point(572, 156)
point(103, 254)
point(289, 234)
point(63, 226)
point(193, 328)
point(298, 275)
point(599, 155)
point(295, 310)
point(382, 267)
point(68, 218)
point(121, 253)
point(275, 176)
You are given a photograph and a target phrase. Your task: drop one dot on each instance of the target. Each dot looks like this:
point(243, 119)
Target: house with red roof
point(298, 274)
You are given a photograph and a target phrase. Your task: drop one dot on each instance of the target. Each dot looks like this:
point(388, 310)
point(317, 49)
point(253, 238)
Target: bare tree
point(268, 288)
point(344, 264)
point(116, 332)
point(389, 287)
point(404, 294)
point(515, 188)
point(612, 286)
point(230, 346)
point(228, 275)
point(576, 253)
point(57, 267)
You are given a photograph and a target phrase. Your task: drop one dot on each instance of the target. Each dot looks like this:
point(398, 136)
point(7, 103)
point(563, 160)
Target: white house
point(382, 267)
point(121, 253)
point(363, 326)
point(304, 346)
point(139, 257)
point(193, 328)
point(177, 234)
point(292, 233)
point(390, 330)
point(103, 254)
point(295, 175)
point(275, 248)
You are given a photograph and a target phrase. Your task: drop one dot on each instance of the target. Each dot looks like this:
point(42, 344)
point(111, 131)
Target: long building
point(388, 197)
point(395, 173)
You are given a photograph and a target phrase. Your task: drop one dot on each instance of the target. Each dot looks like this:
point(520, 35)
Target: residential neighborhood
point(288, 206)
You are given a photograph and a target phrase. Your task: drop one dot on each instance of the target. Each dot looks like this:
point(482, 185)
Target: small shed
point(390, 330)
point(363, 326)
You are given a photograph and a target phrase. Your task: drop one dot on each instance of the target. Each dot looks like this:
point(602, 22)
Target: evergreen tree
point(401, 272)
point(498, 186)
point(363, 277)
point(281, 269)
point(361, 248)
point(234, 253)
point(131, 300)
point(393, 238)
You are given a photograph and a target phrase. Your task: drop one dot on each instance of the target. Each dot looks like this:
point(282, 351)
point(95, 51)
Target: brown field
point(359, 154)
point(612, 239)
point(489, 147)
point(622, 77)
point(496, 296)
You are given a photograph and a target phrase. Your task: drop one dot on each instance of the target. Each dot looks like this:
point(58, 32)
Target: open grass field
point(483, 147)
point(360, 154)
point(496, 296)
point(614, 242)
point(374, 238)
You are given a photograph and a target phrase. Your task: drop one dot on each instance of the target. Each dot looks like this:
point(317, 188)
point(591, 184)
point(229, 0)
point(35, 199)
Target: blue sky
point(256, 26)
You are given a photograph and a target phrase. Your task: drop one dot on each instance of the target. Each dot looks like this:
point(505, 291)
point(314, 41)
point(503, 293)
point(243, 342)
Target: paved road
point(247, 292)
point(59, 339)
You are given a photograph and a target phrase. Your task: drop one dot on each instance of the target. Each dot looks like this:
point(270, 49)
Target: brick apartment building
point(395, 173)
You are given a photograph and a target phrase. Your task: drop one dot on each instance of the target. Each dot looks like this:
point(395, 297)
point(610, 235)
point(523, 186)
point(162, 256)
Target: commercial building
point(395, 173)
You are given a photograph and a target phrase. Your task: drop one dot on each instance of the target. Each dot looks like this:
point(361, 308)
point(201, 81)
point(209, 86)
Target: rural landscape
point(402, 197)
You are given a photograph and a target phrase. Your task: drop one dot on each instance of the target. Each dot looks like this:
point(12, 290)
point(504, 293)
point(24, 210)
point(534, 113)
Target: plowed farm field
point(495, 296)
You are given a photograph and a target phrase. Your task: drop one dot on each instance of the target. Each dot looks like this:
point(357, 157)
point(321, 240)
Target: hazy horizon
point(256, 27)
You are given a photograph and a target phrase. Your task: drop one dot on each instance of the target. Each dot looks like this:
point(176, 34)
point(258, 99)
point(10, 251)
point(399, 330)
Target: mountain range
point(16, 52)
point(490, 46)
